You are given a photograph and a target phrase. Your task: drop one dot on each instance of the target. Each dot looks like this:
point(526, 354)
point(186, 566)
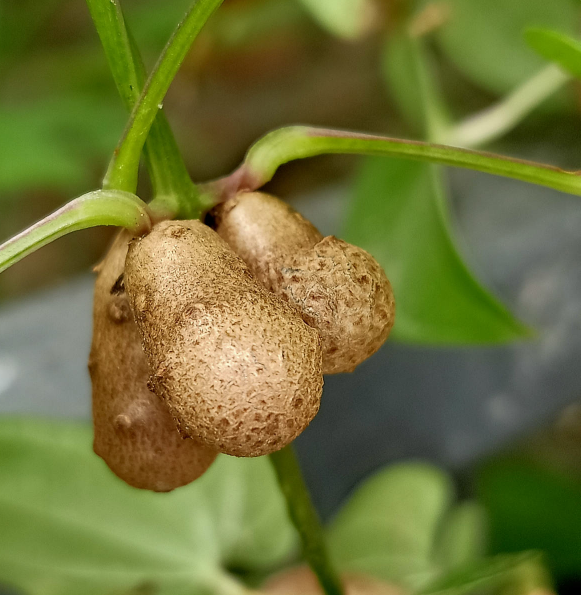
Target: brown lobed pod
point(236, 365)
point(340, 289)
point(134, 432)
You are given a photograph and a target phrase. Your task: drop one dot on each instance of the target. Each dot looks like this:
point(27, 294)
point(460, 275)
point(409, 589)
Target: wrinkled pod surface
point(340, 289)
point(236, 365)
point(134, 432)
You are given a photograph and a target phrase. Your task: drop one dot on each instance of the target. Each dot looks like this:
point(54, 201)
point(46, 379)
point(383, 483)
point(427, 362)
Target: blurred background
point(476, 261)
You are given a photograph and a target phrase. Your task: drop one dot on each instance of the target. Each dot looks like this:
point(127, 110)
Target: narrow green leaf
point(345, 18)
point(172, 185)
point(101, 207)
point(556, 47)
point(128, 74)
point(483, 38)
point(69, 526)
point(123, 169)
point(387, 528)
point(397, 216)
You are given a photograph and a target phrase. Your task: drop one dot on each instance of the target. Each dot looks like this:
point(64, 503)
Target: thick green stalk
point(102, 207)
point(173, 190)
point(299, 142)
point(123, 169)
point(305, 519)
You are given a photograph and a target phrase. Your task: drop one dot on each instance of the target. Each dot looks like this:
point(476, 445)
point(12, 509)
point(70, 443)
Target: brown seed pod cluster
point(338, 288)
point(206, 344)
point(134, 432)
point(236, 366)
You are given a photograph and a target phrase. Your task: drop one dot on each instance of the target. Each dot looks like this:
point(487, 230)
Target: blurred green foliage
point(52, 143)
point(533, 505)
point(483, 38)
point(556, 47)
point(391, 526)
point(70, 526)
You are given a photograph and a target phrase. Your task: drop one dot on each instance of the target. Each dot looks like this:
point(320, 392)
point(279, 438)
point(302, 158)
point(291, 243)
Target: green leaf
point(556, 47)
point(531, 507)
point(518, 574)
point(398, 216)
point(483, 38)
point(387, 529)
point(462, 538)
point(345, 18)
point(399, 527)
point(249, 513)
point(69, 526)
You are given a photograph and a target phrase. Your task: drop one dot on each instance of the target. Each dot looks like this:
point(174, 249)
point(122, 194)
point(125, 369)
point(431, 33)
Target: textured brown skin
point(340, 289)
point(301, 581)
point(134, 432)
point(236, 365)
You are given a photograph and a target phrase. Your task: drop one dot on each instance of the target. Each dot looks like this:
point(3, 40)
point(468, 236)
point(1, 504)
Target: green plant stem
point(498, 119)
point(299, 142)
point(101, 207)
point(305, 519)
point(123, 169)
point(173, 190)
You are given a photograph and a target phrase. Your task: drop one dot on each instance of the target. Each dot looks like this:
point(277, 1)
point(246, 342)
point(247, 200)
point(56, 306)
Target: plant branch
point(101, 207)
point(498, 119)
point(173, 189)
point(123, 169)
point(299, 142)
point(305, 519)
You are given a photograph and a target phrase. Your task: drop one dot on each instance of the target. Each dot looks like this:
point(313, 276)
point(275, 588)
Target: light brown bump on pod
point(340, 289)
point(235, 364)
point(134, 431)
